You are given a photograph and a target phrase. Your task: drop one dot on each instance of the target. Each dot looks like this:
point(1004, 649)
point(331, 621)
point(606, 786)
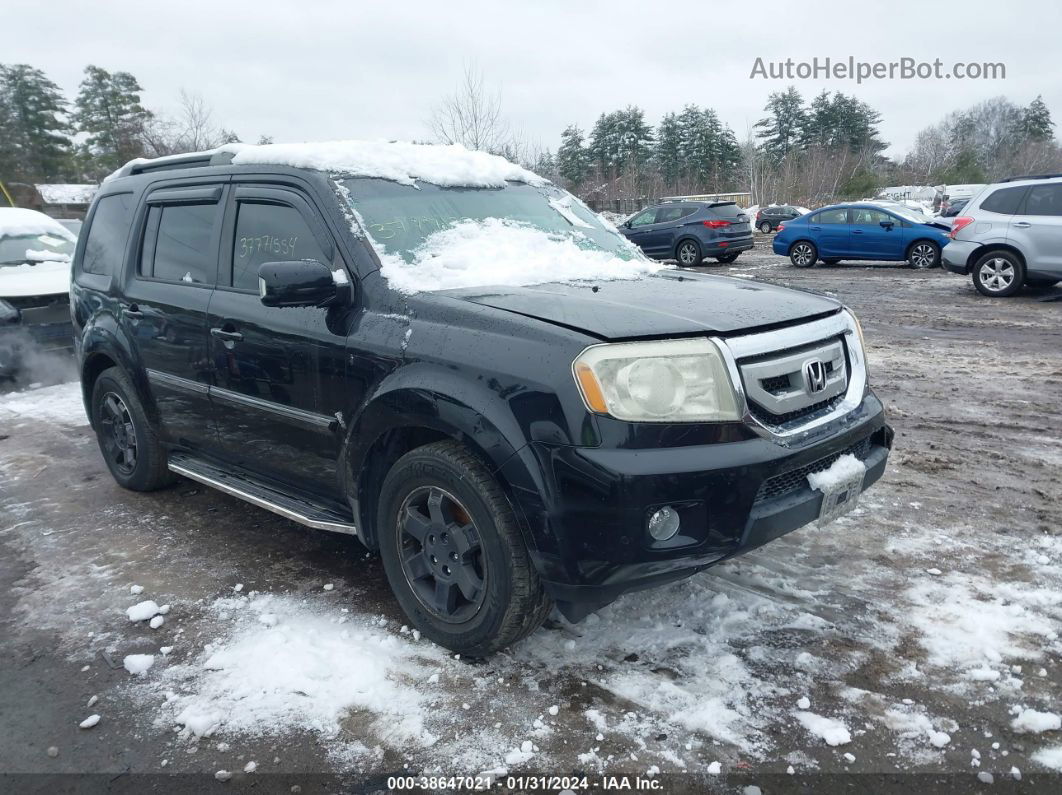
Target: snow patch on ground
point(499, 252)
point(59, 403)
point(1049, 757)
point(305, 668)
point(832, 731)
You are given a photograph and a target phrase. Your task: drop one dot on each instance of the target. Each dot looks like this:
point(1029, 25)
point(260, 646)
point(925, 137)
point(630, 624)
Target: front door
point(872, 240)
point(278, 370)
point(164, 307)
point(1037, 228)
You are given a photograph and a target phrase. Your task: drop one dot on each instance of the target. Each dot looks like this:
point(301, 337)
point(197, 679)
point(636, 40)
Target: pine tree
point(669, 154)
point(821, 122)
point(108, 110)
point(604, 144)
point(573, 159)
point(35, 141)
point(783, 130)
point(1036, 121)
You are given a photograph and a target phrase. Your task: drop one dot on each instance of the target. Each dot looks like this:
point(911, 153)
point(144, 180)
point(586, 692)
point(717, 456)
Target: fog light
point(664, 523)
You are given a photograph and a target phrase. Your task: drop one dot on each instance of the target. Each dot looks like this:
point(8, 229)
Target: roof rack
point(1032, 176)
point(169, 162)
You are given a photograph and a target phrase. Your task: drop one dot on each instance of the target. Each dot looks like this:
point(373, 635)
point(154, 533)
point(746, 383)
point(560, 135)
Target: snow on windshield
point(501, 252)
point(405, 163)
point(20, 222)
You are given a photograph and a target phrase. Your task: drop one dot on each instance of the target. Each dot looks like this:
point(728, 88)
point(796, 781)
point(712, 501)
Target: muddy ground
point(935, 610)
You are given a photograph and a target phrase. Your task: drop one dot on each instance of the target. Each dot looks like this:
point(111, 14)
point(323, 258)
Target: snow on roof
point(447, 165)
point(67, 194)
point(17, 221)
point(399, 161)
point(500, 252)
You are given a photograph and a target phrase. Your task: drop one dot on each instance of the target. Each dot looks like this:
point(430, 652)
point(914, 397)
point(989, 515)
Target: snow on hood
point(445, 165)
point(16, 221)
point(499, 252)
point(42, 278)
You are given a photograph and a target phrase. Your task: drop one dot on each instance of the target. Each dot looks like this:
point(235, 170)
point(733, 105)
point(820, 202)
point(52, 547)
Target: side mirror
point(887, 225)
point(626, 224)
point(301, 283)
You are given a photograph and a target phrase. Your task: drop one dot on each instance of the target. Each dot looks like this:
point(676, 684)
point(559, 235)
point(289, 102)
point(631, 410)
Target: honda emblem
point(814, 376)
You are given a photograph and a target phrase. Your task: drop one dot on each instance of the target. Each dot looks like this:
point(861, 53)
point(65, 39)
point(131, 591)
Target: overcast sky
point(317, 69)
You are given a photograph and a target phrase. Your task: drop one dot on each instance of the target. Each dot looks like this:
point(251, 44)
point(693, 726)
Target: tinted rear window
point(1004, 200)
point(728, 211)
point(105, 244)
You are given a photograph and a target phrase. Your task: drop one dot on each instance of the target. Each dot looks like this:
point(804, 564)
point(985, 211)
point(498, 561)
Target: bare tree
point(191, 130)
point(471, 116)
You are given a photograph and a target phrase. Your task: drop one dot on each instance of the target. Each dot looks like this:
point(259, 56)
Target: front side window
point(179, 246)
point(861, 216)
point(1044, 200)
point(644, 218)
point(269, 233)
point(105, 244)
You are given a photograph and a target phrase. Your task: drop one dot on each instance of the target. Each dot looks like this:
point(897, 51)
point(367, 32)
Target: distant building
point(56, 200)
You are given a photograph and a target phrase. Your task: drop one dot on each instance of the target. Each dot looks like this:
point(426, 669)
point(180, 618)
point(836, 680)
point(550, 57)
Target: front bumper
point(731, 497)
point(955, 256)
point(20, 341)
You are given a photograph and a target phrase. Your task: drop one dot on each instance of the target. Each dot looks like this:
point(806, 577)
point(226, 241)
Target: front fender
point(467, 411)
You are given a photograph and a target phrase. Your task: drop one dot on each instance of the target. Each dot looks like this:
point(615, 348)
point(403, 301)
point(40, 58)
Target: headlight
point(859, 333)
point(665, 381)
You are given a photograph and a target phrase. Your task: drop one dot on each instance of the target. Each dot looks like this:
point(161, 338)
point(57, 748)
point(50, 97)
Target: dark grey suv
point(689, 231)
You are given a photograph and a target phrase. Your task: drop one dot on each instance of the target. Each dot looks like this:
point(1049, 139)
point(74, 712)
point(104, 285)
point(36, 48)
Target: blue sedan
point(861, 231)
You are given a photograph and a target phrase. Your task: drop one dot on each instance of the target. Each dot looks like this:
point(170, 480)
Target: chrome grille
point(783, 387)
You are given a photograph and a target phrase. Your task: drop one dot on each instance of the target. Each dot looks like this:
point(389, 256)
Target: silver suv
point(1010, 235)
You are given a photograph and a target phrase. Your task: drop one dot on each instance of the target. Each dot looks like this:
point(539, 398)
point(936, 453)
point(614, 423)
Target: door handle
point(1021, 224)
point(816, 229)
point(227, 336)
point(857, 231)
point(132, 311)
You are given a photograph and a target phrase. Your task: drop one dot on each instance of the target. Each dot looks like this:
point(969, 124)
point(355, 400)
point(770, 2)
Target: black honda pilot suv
point(455, 361)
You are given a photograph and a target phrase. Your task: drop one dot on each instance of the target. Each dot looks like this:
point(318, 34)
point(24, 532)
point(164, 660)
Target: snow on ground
point(287, 664)
point(60, 403)
point(505, 253)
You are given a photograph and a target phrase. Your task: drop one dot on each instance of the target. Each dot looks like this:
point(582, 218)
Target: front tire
point(803, 254)
point(998, 274)
point(830, 260)
point(923, 254)
point(129, 444)
point(1040, 284)
point(688, 253)
point(765, 227)
point(453, 553)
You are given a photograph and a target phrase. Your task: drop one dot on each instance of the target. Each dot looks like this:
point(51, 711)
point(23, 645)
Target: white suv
point(1010, 235)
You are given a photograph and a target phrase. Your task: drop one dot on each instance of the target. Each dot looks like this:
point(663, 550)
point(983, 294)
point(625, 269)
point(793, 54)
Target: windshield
point(910, 214)
point(400, 218)
point(16, 249)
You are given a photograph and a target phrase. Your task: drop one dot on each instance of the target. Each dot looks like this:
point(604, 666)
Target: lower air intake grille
point(788, 482)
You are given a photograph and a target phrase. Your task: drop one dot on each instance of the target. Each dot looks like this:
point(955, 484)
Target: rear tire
point(453, 552)
point(1042, 283)
point(726, 259)
point(830, 261)
point(688, 253)
point(129, 444)
point(998, 274)
point(923, 254)
point(803, 254)
point(765, 227)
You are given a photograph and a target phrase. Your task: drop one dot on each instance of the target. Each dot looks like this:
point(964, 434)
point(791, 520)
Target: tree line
point(44, 137)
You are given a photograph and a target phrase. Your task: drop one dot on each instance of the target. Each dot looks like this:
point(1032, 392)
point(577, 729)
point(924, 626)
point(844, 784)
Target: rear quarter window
point(1004, 200)
point(179, 244)
point(107, 234)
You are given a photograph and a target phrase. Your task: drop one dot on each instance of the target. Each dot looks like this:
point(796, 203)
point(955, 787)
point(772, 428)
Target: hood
point(40, 278)
point(666, 303)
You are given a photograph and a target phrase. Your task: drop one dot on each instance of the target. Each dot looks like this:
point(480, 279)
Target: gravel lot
point(915, 642)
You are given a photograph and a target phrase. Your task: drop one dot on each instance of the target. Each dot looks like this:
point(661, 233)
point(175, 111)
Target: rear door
point(1037, 228)
point(829, 230)
point(279, 371)
point(163, 307)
